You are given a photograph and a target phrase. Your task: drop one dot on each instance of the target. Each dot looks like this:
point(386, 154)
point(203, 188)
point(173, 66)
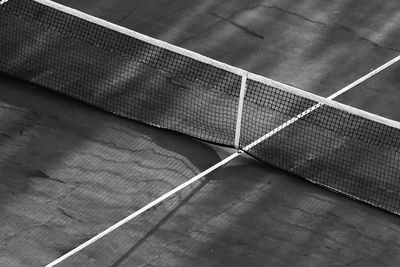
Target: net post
point(243, 88)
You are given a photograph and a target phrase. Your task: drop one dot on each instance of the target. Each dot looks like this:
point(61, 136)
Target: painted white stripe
point(338, 93)
point(201, 175)
point(328, 101)
point(366, 77)
point(145, 208)
point(281, 127)
point(321, 101)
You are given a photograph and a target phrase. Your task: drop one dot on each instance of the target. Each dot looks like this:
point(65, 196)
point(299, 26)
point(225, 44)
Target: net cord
point(141, 37)
point(216, 166)
point(220, 65)
point(243, 88)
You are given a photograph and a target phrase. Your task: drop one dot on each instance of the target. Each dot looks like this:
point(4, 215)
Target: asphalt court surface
point(68, 170)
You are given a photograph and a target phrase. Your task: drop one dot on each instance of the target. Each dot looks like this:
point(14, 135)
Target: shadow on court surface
point(252, 214)
point(62, 156)
point(64, 163)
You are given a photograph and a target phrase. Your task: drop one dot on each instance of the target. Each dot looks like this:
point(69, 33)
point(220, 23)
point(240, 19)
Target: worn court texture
point(69, 171)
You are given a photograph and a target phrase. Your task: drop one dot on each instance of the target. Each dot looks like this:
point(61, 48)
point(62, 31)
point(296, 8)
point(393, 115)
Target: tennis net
point(131, 75)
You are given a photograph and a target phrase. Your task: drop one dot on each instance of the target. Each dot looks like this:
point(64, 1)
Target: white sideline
point(366, 77)
point(145, 208)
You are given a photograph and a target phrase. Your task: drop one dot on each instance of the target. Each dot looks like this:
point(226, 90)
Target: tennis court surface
point(98, 121)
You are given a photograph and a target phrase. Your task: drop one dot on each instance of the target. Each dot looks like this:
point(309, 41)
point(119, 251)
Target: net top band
point(226, 67)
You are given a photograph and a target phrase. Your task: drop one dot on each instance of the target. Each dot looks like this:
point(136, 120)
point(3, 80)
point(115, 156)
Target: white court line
point(216, 166)
point(145, 208)
point(366, 77)
point(222, 66)
point(281, 127)
point(3, 2)
point(311, 109)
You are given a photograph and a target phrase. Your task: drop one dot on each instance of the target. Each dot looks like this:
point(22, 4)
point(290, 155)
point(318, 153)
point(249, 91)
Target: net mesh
point(117, 73)
point(331, 147)
point(133, 78)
